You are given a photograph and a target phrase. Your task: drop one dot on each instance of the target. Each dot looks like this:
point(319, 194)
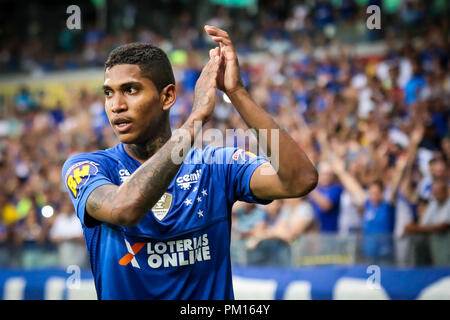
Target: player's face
point(132, 103)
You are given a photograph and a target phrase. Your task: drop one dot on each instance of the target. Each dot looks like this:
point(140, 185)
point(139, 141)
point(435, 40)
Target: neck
point(144, 151)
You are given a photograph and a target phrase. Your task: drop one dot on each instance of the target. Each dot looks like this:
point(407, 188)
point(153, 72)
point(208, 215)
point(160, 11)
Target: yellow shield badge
point(162, 207)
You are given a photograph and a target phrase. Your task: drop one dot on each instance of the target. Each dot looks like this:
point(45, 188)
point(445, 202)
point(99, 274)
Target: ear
point(168, 96)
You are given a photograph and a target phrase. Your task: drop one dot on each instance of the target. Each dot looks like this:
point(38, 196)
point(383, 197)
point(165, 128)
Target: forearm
point(406, 186)
point(351, 184)
point(322, 201)
point(432, 228)
point(399, 175)
point(288, 159)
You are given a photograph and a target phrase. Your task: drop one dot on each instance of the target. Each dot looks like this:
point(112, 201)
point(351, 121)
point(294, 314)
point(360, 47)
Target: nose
point(118, 103)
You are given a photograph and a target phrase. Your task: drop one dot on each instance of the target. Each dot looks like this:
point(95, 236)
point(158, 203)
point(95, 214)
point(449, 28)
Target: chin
point(376, 202)
point(132, 139)
point(126, 138)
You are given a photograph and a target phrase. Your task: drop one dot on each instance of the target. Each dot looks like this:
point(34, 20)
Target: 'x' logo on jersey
point(130, 256)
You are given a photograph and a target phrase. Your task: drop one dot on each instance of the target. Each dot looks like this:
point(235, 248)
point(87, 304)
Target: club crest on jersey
point(185, 182)
point(162, 207)
point(78, 175)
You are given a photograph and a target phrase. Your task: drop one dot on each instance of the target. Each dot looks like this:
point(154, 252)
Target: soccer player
point(156, 228)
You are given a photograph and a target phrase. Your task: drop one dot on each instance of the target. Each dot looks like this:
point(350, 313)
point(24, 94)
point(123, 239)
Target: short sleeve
point(239, 166)
point(81, 175)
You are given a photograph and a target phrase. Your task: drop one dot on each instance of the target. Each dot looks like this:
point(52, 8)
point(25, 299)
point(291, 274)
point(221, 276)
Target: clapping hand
point(229, 79)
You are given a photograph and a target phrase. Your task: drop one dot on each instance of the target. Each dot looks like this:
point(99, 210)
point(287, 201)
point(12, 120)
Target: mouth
point(122, 125)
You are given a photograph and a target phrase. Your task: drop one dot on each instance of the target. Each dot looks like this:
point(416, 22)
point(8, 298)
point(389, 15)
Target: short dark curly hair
point(152, 61)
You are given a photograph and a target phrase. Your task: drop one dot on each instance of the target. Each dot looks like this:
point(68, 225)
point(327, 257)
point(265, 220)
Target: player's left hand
point(229, 79)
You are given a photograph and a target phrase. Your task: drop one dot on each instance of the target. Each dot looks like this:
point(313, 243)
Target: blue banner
point(253, 283)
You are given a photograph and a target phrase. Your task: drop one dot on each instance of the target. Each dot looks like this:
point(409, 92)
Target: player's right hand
point(205, 88)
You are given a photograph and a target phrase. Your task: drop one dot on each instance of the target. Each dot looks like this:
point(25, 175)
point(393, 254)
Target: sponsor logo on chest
point(186, 181)
point(176, 253)
point(124, 174)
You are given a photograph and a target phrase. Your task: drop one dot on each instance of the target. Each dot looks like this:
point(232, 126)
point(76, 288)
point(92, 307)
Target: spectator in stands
point(326, 199)
point(378, 213)
point(295, 218)
point(407, 204)
point(416, 84)
point(379, 220)
point(246, 218)
point(29, 235)
point(438, 170)
point(350, 221)
point(24, 101)
point(436, 222)
point(66, 233)
point(264, 246)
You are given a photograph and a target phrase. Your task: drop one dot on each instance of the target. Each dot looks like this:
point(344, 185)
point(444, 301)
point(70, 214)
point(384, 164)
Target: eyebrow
point(125, 85)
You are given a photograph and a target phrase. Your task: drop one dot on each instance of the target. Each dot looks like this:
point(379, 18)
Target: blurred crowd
point(376, 128)
point(275, 26)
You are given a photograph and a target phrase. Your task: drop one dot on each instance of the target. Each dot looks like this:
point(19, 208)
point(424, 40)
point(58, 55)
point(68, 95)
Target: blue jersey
point(181, 247)
point(379, 219)
point(378, 228)
point(328, 219)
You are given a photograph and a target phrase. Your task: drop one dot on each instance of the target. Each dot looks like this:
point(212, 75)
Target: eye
point(108, 93)
point(131, 90)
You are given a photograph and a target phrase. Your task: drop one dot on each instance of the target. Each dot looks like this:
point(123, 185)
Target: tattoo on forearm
point(98, 198)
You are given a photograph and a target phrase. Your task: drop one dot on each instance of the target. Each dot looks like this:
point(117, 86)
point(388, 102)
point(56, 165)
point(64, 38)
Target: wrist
point(197, 117)
point(236, 92)
point(193, 125)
